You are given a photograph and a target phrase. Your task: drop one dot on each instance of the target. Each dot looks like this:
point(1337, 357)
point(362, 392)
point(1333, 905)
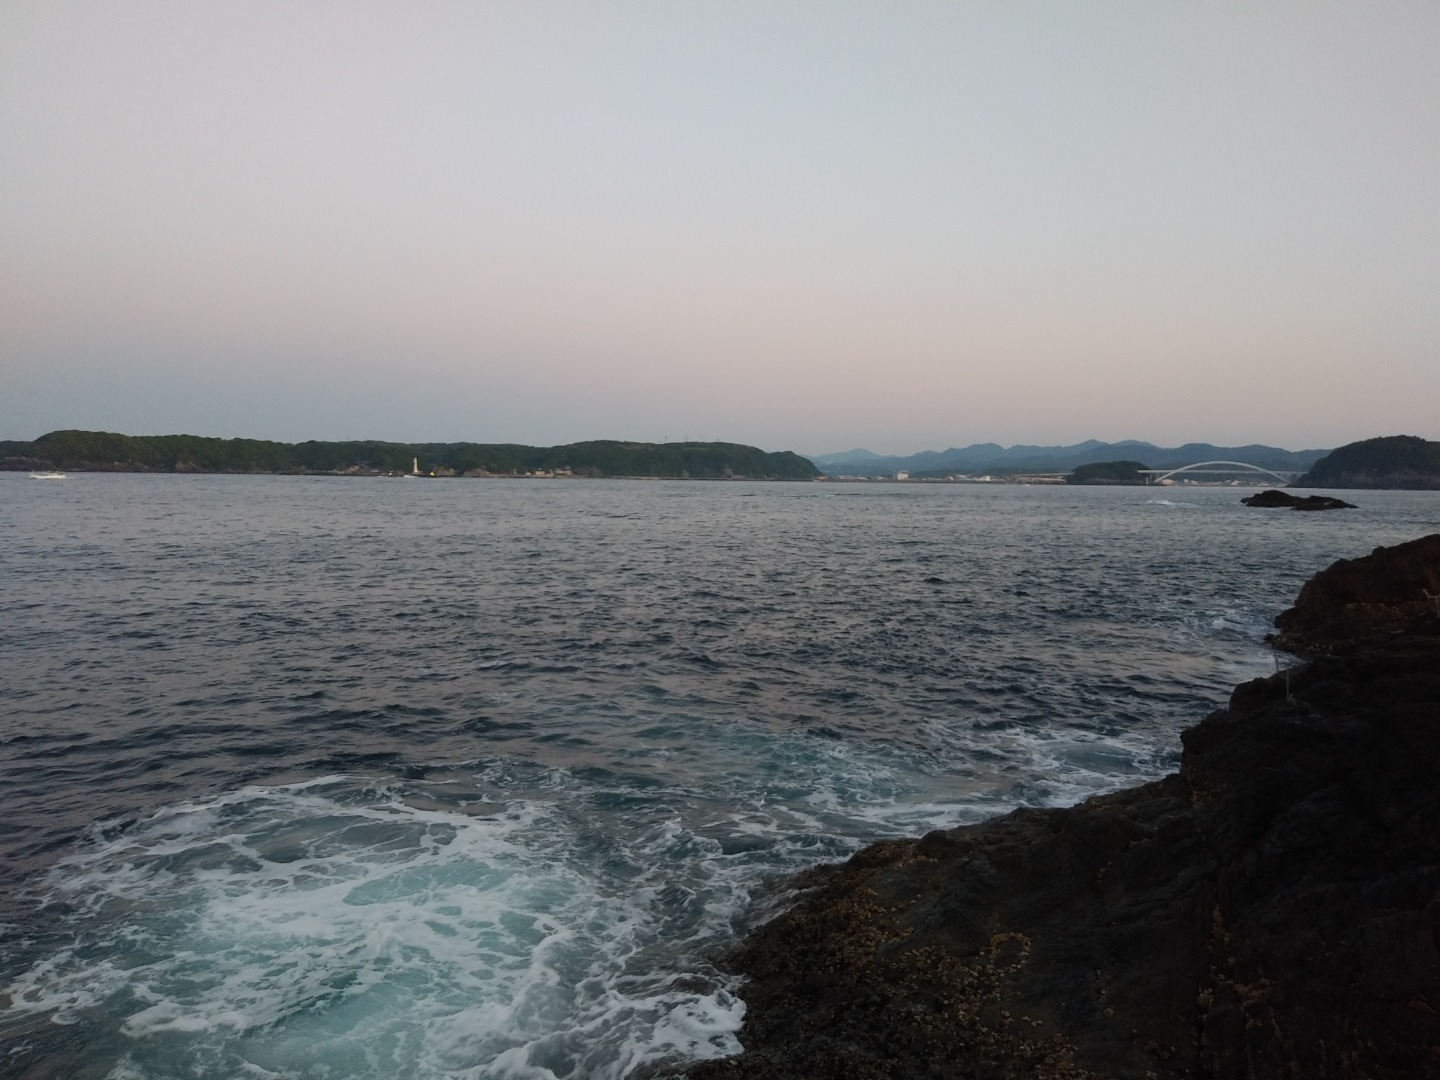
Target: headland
point(1391, 461)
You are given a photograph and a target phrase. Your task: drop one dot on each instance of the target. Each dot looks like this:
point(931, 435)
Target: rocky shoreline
point(1271, 910)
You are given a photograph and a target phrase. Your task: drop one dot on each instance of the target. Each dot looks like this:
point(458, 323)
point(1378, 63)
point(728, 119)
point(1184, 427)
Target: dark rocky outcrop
point(1273, 499)
point(1271, 910)
point(1388, 592)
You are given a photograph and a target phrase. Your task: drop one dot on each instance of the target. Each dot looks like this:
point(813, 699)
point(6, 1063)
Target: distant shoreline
point(23, 467)
point(102, 451)
point(74, 470)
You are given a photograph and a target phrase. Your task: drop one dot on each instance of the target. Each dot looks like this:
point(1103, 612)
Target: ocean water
point(332, 778)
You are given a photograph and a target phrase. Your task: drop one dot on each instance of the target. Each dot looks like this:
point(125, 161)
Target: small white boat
point(50, 475)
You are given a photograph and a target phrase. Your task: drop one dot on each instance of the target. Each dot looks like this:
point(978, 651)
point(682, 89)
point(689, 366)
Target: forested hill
point(1392, 461)
point(103, 451)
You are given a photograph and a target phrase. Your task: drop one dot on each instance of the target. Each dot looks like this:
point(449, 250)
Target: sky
point(800, 225)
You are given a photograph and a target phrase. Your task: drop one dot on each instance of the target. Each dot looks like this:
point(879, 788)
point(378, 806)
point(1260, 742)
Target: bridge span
point(1220, 468)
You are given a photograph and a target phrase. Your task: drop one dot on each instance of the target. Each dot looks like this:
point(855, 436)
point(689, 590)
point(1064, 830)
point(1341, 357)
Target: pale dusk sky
point(802, 225)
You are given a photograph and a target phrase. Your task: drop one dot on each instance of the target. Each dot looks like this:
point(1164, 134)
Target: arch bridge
point(1218, 468)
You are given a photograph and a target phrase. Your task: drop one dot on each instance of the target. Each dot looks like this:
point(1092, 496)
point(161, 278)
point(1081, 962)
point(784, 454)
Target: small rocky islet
point(1272, 499)
point(1270, 910)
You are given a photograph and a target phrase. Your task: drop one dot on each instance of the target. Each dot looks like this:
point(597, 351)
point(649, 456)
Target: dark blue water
point(382, 778)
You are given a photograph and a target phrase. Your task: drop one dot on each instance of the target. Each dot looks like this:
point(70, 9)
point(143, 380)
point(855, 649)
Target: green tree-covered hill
point(107, 451)
point(1108, 472)
point(1391, 461)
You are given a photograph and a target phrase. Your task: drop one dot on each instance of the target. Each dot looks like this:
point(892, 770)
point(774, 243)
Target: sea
point(326, 777)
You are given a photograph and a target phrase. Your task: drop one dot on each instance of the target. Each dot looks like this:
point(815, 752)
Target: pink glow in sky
point(806, 226)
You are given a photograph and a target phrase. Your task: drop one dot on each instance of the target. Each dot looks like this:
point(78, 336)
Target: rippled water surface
point(313, 777)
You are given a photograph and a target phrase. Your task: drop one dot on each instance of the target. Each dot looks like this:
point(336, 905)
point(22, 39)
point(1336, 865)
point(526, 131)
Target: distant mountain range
point(994, 458)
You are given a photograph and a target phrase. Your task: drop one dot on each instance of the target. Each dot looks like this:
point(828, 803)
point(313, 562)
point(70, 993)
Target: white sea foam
point(334, 928)
point(307, 931)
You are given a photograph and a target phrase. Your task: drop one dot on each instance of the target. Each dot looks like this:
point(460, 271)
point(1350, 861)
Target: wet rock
point(1271, 910)
point(1273, 499)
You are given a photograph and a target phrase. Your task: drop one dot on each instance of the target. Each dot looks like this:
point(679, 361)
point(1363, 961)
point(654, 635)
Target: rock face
point(1272, 910)
point(1272, 499)
point(1388, 592)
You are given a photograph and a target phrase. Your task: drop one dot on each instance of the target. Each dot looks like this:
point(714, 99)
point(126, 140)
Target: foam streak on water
point(321, 929)
point(326, 778)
